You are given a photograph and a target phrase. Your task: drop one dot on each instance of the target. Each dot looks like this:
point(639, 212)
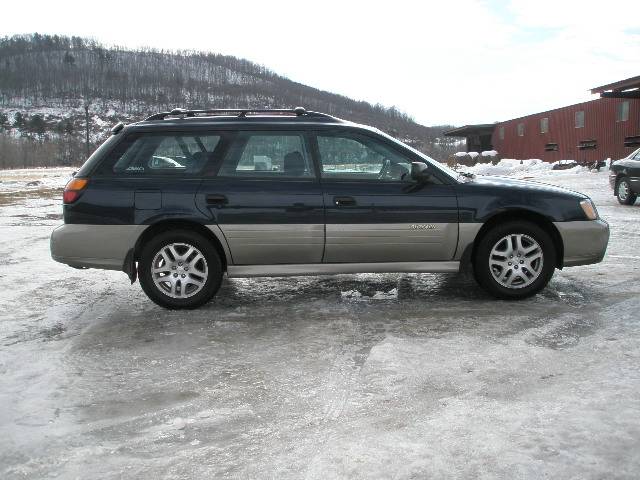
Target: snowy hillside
point(46, 81)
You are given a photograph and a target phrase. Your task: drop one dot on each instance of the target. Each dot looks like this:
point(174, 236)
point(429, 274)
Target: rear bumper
point(94, 246)
point(585, 242)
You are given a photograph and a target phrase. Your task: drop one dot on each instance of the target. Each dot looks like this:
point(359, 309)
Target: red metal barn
point(608, 127)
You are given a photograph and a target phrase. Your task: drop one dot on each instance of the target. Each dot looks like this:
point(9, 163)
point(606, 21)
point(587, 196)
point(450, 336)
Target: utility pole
point(86, 118)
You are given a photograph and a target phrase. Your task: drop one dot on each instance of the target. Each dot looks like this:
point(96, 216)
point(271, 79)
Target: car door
point(267, 200)
point(374, 211)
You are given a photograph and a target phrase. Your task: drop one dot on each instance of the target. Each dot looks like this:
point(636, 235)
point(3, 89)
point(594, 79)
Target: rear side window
point(268, 155)
point(167, 154)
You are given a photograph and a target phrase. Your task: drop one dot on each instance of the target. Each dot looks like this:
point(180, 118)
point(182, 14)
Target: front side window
point(358, 157)
point(622, 111)
point(268, 155)
point(580, 119)
point(169, 154)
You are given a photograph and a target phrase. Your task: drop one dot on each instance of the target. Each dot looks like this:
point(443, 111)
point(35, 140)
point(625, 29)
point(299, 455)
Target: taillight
point(74, 188)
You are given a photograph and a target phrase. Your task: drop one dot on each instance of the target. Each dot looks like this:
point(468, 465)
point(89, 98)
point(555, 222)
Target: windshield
point(635, 155)
point(440, 166)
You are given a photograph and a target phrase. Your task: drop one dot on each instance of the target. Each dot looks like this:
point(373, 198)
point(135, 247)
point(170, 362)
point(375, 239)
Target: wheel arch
point(167, 225)
point(538, 219)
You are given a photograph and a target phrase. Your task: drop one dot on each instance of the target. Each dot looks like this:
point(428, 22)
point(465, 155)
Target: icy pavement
point(366, 376)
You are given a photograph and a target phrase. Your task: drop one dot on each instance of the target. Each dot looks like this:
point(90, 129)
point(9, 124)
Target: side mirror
point(420, 172)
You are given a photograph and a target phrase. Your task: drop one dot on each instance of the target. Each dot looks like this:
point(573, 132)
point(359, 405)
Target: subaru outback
point(184, 197)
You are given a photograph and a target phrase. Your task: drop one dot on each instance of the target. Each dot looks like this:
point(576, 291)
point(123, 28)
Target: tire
point(188, 270)
point(623, 192)
point(499, 270)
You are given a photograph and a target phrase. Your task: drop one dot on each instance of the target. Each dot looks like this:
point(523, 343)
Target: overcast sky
point(454, 62)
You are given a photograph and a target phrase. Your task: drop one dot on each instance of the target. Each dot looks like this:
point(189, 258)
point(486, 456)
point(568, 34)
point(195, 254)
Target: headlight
point(589, 209)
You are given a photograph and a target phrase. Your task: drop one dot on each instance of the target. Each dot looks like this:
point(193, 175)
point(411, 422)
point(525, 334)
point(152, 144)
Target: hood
point(626, 162)
point(528, 185)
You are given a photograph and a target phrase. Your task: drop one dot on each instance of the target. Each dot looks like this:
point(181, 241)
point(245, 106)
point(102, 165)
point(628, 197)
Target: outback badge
point(422, 226)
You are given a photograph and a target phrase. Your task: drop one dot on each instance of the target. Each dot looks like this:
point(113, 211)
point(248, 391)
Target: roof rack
point(238, 112)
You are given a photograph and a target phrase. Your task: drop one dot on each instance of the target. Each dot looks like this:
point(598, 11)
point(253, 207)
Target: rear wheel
point(624, 193)
point(515, 260)
point(180, 269)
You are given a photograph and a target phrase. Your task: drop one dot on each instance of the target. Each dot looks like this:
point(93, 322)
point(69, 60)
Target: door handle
point(344, 201)
point(216, 200)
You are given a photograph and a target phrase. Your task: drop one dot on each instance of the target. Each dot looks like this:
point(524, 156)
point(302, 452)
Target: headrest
point(294, 164)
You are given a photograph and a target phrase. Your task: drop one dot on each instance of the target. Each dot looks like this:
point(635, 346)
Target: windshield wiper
point(467, 174)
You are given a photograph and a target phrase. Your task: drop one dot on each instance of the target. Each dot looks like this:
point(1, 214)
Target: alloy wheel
point(179, 270)
point(516, 261)
point(623, 190)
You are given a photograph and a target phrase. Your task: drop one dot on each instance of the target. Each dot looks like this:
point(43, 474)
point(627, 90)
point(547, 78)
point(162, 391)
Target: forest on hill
point(53, 87)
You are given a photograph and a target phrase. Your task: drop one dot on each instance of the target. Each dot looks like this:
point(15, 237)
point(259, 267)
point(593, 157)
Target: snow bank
point(522, 168)
point(26, 179)
point(488, 153)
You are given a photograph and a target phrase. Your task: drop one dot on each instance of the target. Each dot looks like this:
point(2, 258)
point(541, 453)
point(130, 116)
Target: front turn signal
point(589, 209)
point(73, 189)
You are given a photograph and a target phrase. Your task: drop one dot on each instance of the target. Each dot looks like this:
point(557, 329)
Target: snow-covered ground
point(34, 179)
point(366, 376)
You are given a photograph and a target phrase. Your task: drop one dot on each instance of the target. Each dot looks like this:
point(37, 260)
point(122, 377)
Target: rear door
point(147, 177)
point(267, 200)
point(374, 211)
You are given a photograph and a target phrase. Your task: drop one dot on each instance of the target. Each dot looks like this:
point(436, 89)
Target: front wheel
point(623, 192)
point(515, 260)
point(180, 269)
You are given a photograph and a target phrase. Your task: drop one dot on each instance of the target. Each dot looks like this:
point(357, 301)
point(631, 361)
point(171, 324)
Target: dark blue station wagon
point(184, 197)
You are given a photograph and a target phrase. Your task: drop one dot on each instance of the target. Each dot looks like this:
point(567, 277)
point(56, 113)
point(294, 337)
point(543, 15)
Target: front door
point(266, 199)
point(374, 211)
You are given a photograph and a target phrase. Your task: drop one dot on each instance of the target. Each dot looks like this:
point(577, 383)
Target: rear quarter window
point(95, 160)
point(145, 154)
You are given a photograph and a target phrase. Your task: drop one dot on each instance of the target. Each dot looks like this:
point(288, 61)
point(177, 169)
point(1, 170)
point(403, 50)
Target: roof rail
point(238, 112)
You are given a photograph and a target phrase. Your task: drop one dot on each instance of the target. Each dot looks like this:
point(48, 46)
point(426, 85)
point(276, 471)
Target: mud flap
point(466, 260)
point(129, 267)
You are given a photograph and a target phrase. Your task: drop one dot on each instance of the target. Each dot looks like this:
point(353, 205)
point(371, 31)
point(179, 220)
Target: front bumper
point(612, 180)
point(94, 246)
point(585, 242)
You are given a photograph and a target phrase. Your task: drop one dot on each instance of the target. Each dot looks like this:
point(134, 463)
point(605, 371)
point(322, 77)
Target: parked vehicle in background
point(185, 196)
point(624, 178)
